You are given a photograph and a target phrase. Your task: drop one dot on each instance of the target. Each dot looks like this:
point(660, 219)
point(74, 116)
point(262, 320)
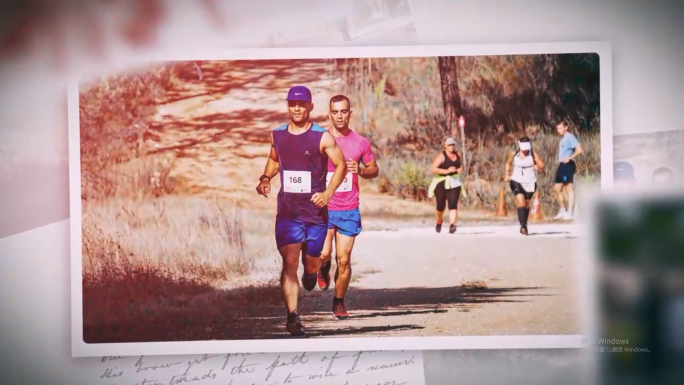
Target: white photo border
point(81, 349)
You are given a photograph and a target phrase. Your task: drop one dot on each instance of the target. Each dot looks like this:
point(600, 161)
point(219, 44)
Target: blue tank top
point(303, 171)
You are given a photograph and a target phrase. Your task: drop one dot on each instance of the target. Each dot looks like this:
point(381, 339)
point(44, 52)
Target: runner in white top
point(523, 181)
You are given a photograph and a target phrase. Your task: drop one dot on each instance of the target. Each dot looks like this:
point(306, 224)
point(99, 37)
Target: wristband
point(261, 178)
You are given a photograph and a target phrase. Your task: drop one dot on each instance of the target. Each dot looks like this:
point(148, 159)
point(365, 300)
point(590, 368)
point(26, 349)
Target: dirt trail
point(480, 281)
point(219, 129)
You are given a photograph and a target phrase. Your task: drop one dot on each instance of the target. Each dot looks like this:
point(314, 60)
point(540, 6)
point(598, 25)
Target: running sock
point(527, 215)
point(521, 216)
point(337, 300)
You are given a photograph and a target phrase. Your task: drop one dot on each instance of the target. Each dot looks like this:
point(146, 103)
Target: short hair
point(524, 139)
point(339, 98)
point(662, 171)
point(563, 123)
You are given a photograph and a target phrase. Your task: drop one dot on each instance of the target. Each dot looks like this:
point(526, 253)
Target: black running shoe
point(438, 228)
point(452, 229)
point(523, 230)
point(294, 325)
point(324, 276)
point(309, 281)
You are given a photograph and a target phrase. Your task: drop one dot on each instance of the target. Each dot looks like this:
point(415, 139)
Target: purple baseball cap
point(300, 93)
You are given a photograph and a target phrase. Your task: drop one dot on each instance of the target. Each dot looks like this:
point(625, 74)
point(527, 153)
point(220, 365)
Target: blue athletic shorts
point(312, 235)
point(346, 222)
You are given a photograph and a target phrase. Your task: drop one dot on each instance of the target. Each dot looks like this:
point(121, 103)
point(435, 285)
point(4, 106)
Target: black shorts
point(565, 172)
point(444, 197)
point(517, 188)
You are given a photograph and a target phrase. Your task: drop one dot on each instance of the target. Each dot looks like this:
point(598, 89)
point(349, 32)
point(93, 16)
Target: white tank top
point(523, 171)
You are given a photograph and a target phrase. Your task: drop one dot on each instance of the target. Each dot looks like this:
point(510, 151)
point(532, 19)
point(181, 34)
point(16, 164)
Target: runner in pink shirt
point(344, 218)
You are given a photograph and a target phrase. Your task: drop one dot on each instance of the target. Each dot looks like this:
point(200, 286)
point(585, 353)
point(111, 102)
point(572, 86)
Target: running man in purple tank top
point(300, 152)
point(344, 222)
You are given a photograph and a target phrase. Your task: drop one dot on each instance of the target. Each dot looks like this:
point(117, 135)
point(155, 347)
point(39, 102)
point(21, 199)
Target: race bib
point(529, 186)
point(454, 181)
point(346, 184)
point(298, 182)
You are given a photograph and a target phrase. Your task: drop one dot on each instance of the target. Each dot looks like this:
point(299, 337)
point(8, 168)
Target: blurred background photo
point(641, 290)
point(650, 160)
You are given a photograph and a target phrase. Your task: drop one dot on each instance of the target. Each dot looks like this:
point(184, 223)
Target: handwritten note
point(334, 368)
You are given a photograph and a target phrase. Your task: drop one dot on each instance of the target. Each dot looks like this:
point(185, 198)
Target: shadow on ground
point(147, 307)
point(222, 77)
point(251, 83)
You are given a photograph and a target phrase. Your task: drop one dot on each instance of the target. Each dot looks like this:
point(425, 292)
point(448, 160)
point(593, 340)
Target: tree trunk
point(451, 97)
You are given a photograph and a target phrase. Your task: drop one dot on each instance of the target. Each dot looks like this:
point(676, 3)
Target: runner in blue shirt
point(300, 151)
point(568, 149)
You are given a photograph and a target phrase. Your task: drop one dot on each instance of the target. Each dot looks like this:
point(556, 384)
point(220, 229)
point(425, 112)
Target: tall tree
point(451, 96)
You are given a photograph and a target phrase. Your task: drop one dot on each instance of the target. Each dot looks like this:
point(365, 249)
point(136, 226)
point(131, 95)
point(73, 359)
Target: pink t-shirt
point(356, 147)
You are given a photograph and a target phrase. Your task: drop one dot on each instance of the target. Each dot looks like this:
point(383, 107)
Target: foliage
point(116, 114)
point(503, 98)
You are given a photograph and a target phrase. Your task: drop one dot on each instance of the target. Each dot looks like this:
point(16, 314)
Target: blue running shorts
point(346, 222)
point(312, 235)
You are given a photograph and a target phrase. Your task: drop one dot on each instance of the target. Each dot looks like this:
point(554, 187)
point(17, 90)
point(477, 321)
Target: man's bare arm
point(576, 152)
point(370, 170)
point(272, 164)
point(337, 158)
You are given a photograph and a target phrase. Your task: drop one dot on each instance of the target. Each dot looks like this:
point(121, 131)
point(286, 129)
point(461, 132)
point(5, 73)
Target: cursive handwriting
point(321, 376)
point(140, 368)
point(111, 373)
point(198, 361)
point(113, 358)
point(391, 382)
point(290, 378)
point(185, 377)
point(334, 368)
point(228, 356)
point(332, 359)
point(145, 381)
point(357, 358)
point(391, 366)
point(296, 360)
point(243, 368)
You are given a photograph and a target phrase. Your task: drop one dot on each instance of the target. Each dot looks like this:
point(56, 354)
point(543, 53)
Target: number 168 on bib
point(297, 182)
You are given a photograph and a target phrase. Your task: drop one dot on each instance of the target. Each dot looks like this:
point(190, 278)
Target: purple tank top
point(303, 171)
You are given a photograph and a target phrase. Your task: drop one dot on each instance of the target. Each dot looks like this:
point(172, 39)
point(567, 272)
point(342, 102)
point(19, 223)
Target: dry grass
point(146, 259)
